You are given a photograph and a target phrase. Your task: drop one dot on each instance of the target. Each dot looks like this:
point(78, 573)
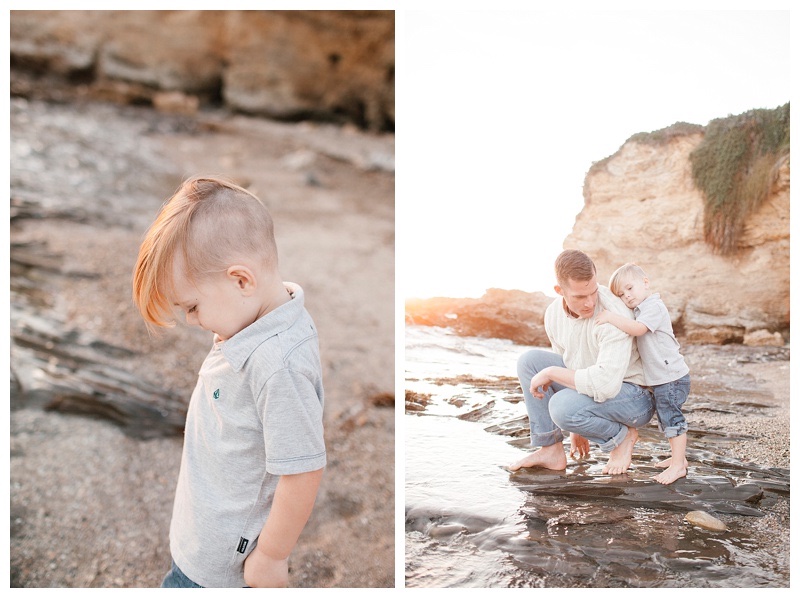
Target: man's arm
point(559, 375)
point(553, 373)
point(267, 566)
point(603, 380)
point(579, 446)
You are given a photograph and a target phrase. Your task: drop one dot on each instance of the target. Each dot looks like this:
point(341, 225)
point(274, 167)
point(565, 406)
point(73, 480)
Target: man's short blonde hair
point(209, 223)
point(623, 274)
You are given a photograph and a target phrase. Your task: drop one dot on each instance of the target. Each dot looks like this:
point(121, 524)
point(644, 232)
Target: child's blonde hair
point(623, 274)
point(210, 223)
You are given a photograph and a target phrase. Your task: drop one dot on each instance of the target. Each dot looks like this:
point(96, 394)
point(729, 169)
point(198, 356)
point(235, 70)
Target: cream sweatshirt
point(603, 357)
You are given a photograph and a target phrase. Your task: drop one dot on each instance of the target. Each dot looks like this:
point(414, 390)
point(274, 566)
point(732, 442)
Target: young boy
point(253, 451)
point(664, 367)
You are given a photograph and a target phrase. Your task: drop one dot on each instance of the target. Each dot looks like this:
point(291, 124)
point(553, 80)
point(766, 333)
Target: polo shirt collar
point(241, 345)
point(650, 297)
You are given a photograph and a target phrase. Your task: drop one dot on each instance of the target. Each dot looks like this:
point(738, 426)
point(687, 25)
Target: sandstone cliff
point(642, 205)
point(331, 65)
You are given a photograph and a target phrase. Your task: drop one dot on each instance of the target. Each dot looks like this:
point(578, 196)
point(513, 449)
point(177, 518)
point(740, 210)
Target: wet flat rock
point(580, 514)
point(709, 493)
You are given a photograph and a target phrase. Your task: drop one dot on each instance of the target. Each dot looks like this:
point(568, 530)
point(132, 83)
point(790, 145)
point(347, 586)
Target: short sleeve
point(651, 314)
point(292, 416)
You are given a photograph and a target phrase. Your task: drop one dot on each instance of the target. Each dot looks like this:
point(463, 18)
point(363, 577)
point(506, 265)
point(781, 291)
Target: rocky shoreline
point(519, 316)
point(739, 470)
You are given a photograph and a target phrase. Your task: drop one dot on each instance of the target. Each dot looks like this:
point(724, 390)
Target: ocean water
point(472, 523)
point(455, 484)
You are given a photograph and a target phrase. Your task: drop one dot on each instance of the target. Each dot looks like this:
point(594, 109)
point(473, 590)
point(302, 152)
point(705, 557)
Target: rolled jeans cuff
point(674, 431)
point(547, 438)
point(614, 441)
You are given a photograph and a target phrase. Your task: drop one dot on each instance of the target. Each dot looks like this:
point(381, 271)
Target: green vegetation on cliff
point(662, 136)
point(735, 166)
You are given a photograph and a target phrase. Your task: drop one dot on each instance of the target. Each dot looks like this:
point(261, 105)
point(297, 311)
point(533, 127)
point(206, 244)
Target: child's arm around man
point(627, 325)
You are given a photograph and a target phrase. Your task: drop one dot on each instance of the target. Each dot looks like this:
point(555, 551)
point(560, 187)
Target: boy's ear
point(558, 290)
point(243, 278)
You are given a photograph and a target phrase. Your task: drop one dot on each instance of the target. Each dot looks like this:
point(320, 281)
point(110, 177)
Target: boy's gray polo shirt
point(658, 348)
point(255, 414)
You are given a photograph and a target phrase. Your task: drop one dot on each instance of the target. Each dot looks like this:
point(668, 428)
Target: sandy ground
point(90, 506)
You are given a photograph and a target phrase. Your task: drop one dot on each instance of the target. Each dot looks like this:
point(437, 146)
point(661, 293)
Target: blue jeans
point(563, 408)
point(175, 578)
point(669, 399)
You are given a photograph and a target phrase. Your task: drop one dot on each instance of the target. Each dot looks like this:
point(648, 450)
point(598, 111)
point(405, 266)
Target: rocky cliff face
point(334, 65)
point(642, 206)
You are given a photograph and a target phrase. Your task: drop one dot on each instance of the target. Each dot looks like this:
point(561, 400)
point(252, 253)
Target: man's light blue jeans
point(566, 409)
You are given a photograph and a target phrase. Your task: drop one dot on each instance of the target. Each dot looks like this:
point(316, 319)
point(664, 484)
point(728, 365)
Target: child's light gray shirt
point(658, 348)
point(255, 414)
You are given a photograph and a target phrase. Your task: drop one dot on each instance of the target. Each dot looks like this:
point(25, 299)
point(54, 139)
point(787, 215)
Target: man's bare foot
point(619, 460)
point(549, 457)
point(672, 473)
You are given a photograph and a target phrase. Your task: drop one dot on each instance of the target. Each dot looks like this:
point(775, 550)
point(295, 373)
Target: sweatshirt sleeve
point(549, 325)
point(603, 380)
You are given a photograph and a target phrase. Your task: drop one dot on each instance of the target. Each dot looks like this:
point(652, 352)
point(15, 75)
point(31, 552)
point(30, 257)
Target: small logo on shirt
point(216, 394)
point(243, 542)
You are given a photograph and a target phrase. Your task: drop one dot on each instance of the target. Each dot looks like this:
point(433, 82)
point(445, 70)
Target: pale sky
point(501, 113)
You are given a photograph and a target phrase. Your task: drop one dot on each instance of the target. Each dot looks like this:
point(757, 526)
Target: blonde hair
point(573, 264)
point(623, 274)
point(210, 223)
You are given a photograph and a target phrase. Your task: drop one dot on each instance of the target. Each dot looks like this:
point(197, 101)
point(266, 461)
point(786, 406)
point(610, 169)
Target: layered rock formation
point(332, 65)
point(642, 205)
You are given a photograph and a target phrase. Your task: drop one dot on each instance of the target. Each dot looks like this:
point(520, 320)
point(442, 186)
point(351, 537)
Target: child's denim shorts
point(176, 578)
point(669, 399)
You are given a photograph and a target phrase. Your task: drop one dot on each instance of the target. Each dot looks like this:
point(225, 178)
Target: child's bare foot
point(619, 460)
point(665, 463)
point(672, 473)
point(549, 457)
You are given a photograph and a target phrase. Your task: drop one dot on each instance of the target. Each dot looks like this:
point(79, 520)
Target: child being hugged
point(253, 452)
point(664, 367)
